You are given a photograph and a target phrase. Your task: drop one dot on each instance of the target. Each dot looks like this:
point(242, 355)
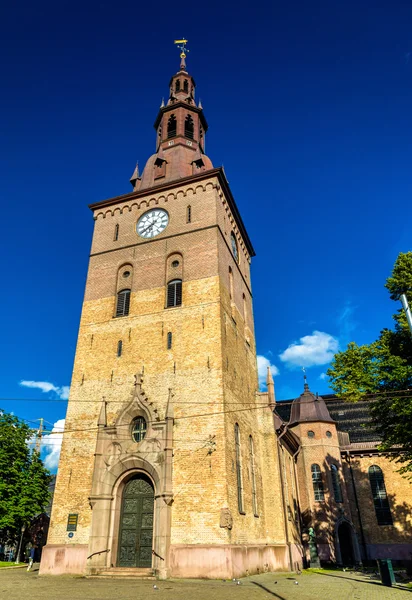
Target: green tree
point(384, 370)
point(24, 481)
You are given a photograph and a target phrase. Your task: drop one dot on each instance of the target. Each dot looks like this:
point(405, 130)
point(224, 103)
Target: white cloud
point(311, 350)
point(51, 445)
point(263, 363)
point(323, 376)
point(45, 386)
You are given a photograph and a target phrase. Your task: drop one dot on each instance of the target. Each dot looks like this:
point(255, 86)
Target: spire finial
point(181, 44)
point(305, 386)
point(102, 421)
point(169, 406)
point(135, 176)
point(271, 388)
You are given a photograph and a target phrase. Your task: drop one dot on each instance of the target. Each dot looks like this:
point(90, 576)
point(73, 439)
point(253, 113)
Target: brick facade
point(210, 370)
point(232, 482)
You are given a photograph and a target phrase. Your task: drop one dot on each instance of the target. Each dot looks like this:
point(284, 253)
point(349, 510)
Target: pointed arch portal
point(136, 524)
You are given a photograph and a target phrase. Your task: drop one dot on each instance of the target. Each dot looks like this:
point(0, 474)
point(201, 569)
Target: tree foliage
point(383, 369)
point(24, 481)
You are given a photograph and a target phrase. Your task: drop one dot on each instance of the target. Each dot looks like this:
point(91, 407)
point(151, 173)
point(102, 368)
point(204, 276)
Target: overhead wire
point(192, 416)
point(96, 427)
point(11, 399)
point(17, 399)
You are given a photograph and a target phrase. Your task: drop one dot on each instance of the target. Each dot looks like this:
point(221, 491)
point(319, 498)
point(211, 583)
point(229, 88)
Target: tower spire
point(305, 380)
point(181, 44)
point(271, 388)
point(180, 134)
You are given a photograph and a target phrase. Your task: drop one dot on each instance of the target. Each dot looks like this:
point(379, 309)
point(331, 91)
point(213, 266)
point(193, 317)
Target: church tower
point(168, 464)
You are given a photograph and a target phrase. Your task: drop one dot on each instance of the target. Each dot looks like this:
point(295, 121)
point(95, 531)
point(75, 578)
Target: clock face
point(234, 247)
point(152, 223)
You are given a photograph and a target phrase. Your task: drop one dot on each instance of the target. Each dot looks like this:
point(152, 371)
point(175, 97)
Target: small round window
point(311, 434)
point(139, 429)
point(328, 434)
point(175, 263)
point(126, 274)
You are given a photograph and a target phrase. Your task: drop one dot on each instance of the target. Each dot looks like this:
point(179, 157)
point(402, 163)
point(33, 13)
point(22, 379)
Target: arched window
point(239, 471)
point(169, 340)
point(139, 429)
point(116, 232)
point(253, 477)
point(171, 127)
point(380, 497)
point(337, 491)
point(177, 85)
point(189, 214)
point(185, 85)
point(189, 127)
point(174, 293)
point(123, 303)
point(317, 483)
point(119, 348)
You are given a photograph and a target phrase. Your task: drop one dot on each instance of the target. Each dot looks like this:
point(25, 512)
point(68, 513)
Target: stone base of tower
point(226, 561)
point(64, 559)
point(186, 561)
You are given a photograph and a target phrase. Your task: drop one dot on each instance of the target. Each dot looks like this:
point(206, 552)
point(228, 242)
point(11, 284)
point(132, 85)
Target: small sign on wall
point(72, 522)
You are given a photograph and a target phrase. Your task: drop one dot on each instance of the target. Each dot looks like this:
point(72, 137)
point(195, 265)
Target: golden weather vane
point(181, 44)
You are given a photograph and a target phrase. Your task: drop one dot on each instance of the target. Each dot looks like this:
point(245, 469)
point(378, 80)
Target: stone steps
point(125, 573)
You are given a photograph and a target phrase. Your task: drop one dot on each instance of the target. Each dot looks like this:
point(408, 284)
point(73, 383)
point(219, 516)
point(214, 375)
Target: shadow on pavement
point(361, 581)
point(268, 590)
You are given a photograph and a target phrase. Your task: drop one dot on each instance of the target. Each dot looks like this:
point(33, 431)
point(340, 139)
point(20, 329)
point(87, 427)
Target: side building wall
point(379, 541)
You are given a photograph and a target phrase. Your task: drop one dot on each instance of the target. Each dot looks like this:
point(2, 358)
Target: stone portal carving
point(118, 458)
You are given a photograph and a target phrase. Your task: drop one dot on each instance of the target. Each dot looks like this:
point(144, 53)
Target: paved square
point(16, 584)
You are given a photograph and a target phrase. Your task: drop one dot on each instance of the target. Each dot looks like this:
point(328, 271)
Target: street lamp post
point(407, 310)
point(23, 529)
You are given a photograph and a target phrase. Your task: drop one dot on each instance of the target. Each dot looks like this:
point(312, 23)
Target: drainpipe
point(365, 550)
point(294, 457)
point(272, 403)
point(282, 483)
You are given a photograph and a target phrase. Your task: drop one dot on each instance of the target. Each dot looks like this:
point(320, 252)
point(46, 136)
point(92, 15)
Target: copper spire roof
point(309, 408)
point(180, 135)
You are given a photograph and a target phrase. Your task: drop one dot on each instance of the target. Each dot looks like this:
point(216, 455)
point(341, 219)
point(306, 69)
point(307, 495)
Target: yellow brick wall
point(399, 491)
point(211, 368)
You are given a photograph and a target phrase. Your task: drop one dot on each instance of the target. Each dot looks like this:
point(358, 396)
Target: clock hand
point(153, 225)
point(148, 227)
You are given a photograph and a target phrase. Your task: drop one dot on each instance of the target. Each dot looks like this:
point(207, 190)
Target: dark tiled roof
point(354, 418)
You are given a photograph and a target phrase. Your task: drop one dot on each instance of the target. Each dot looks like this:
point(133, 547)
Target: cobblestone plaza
point(328, 585)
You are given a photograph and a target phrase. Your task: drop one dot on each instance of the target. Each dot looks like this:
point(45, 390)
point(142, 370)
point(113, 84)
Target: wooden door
point(136, 524)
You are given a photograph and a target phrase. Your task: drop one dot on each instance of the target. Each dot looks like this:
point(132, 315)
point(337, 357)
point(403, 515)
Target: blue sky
point(309, 108)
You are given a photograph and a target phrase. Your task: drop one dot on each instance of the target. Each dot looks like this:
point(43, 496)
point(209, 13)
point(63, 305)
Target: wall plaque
point(72, 522)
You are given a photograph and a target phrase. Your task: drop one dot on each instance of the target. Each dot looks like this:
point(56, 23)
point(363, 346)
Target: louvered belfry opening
point(171, 127)
point(189, 127)
point(123, 303)
point(174, 293)
point(380, 497)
